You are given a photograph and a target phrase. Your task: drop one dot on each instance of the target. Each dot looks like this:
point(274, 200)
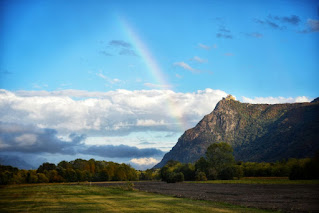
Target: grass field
point(85, 198)
point(261, 180)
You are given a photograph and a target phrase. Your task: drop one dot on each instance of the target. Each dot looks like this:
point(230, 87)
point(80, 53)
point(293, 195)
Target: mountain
point(257, 132)
point(7, 160)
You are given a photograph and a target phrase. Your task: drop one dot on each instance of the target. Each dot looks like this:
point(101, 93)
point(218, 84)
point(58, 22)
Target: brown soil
point(287, 198)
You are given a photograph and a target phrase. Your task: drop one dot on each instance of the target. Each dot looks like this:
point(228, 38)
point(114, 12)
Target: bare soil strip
point(284, 197)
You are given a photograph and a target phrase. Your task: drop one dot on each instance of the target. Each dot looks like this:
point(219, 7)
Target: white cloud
point(102, 76)
point(274, 100)
point(198, 59)
point(115, 80)
point(112, 113)
point(144, 161)
point(149, 122)
point(109, 80)
point(26, 139)
point(205, 47)
point(185, 66)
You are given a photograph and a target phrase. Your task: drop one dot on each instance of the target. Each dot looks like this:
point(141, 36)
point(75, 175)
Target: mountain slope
point(257, 132)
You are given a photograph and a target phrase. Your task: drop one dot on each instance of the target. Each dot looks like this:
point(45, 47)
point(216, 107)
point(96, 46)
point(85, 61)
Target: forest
point(74, 171)
point(218, 163)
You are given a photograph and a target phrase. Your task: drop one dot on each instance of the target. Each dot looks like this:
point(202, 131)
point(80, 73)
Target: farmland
point(277, 194)
point(86, 198)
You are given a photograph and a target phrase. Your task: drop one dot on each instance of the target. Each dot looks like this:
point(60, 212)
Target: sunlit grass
point(85, 198)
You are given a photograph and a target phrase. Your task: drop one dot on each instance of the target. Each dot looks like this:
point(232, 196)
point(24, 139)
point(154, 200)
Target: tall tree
point(220, 160)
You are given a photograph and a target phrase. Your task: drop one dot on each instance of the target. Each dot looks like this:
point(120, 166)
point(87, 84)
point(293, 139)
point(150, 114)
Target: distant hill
point(257, 132)
point(7, 160)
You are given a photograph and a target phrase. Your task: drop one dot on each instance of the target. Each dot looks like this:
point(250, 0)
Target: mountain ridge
point(257, 132)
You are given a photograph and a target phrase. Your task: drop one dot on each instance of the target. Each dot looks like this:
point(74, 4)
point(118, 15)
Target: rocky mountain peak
point(315, 100)
point(257, 132)
point(230, 97)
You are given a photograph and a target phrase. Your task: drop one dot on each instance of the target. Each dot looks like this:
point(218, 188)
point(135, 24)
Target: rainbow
point(155, 71)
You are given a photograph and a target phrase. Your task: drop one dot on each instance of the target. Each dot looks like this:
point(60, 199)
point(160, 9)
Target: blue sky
point(126, 58)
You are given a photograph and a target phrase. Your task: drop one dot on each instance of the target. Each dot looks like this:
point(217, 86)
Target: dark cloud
point(312, 26)
point(221, 35)
point(273, 24)
point(276, 22)
point(224, 33)
point(223, 29)
point(293, 19)
point(120, 43)
point(123, 48)
point(128, 52)
point(32, 140)
point(258, 21)
point(268, 23)
point(121, 151)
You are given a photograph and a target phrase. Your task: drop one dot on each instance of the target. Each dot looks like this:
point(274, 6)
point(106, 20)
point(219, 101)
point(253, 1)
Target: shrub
point(175, 177)
point(200, 176)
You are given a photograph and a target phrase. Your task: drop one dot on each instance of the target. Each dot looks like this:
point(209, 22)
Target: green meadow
point(86, 198)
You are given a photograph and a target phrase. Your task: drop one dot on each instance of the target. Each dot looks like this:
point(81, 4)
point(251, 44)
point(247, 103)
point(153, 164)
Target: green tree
point(42, 178)
point(120, 173)
point(46, 167)
point(65, 165)
point(32, 177)
point(220, 161)
point(70, 175)
point(169, 168)
point(200, 176)
point(104, 175)
point(188, 170)
point(174, 177)
point(202, 166)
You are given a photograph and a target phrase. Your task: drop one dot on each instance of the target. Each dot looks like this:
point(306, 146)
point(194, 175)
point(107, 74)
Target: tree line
point(218, 163)
point(73, 171)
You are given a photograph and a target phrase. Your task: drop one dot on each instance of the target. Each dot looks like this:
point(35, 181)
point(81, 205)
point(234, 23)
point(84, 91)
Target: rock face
point(257, 132)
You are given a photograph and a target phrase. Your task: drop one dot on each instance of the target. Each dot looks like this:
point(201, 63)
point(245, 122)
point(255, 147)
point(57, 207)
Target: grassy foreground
point(85, 198)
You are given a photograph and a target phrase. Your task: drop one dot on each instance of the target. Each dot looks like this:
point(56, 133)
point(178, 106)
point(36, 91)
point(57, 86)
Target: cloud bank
point(60, 123)
point(31, 139)
point(144, 161)
point(275, 100)
point(114, 113)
